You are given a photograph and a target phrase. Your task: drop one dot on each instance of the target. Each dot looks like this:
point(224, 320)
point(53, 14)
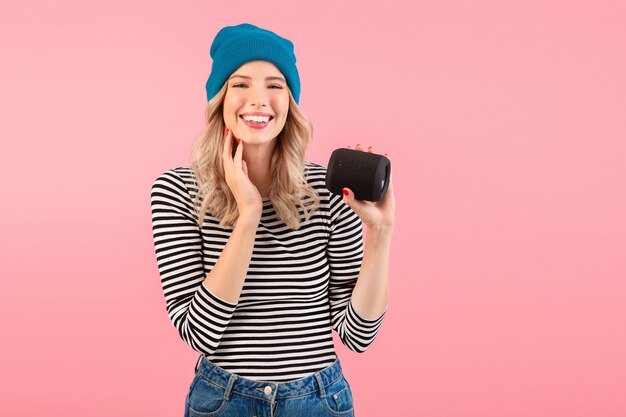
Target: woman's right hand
point(249, 201)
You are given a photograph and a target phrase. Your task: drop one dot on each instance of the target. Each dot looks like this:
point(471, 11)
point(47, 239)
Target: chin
point(254, 138)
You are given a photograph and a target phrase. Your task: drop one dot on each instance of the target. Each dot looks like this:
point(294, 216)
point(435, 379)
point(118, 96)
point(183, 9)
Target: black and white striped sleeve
point(345, 254)
point(199, 316)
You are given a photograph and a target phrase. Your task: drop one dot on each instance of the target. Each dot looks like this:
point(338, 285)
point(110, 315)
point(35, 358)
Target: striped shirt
point(297, 289)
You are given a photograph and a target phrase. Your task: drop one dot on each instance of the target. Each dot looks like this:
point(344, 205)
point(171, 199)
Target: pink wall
point(505, 124)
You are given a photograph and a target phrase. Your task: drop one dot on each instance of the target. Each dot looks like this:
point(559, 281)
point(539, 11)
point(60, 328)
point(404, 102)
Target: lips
point(256, 113)
point(256, 125)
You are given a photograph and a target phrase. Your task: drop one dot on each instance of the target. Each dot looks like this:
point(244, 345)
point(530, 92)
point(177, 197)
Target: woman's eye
point(271, 86)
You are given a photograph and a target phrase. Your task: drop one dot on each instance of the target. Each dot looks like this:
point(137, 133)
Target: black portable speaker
point(366, 174)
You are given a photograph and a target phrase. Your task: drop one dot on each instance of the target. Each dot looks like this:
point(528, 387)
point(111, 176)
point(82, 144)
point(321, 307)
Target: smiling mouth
point(257, 119)
point(256, 125)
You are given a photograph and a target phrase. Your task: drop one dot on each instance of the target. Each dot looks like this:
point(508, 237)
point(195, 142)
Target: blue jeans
point(217, 392)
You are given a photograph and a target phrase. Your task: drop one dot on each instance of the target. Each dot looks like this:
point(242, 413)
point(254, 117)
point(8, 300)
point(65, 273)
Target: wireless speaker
point(366, 174)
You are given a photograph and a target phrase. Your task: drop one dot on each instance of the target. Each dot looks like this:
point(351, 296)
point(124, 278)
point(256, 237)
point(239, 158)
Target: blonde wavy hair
point(290, 190)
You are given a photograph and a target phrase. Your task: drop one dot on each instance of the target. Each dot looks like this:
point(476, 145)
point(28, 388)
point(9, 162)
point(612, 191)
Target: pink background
point(505, 125)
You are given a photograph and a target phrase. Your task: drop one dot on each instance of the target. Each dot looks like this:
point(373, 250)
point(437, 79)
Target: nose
point(257, 96)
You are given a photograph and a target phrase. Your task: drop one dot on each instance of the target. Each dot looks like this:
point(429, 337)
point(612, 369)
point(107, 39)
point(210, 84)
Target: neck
point(258, 161)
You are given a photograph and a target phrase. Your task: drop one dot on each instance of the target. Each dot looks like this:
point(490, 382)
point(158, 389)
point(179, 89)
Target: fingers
point(233, 161)
point(348, 198)
point(358, 147)
point(228, 144)
point(239, 154)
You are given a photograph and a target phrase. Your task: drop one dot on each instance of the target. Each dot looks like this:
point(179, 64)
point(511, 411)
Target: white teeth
point(261, 119)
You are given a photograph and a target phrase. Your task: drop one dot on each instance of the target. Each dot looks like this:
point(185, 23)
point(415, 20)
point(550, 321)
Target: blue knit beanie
point(233, 46)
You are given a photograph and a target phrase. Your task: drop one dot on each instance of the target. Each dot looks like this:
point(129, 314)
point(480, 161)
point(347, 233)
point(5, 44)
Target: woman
point(258, 261)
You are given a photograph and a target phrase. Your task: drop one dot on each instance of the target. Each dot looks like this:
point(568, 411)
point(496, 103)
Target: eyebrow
point(266, 78)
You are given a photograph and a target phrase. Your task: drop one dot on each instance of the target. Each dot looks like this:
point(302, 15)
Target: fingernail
point(345, 192)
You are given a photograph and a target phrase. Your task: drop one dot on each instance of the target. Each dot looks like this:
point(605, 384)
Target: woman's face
point(256, 87)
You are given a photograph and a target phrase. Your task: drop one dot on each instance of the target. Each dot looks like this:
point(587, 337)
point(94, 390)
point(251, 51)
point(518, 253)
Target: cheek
point(231, 104)
point(229, 113)
point(280, 122)
point(285, 102)
point(280, 101)
point(284, 110)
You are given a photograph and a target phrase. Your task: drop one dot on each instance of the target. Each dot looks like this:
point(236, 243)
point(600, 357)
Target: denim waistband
point(269, 391)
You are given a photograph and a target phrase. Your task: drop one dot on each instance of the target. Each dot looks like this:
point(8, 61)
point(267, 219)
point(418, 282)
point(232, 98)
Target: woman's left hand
point(379, 214)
